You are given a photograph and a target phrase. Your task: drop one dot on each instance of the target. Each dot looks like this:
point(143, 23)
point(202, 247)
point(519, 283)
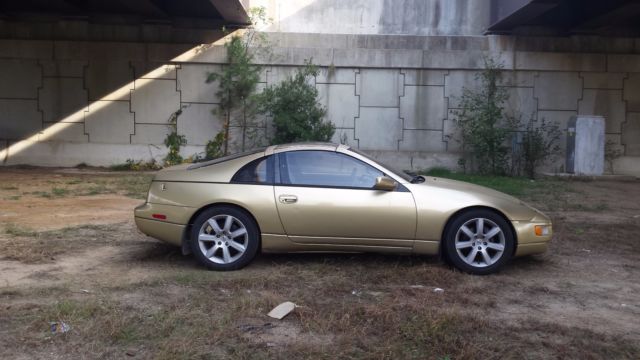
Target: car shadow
point(162, 254)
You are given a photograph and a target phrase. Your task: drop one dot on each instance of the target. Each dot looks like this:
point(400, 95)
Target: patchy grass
point(132, 165)
point(59, 192)
point(30, 246)
point(380, 307)
point(15, 230)
point(127, 297)
point(131, 185)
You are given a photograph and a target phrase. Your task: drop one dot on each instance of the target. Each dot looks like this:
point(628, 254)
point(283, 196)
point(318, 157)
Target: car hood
point(450, 195)
point(467, 187)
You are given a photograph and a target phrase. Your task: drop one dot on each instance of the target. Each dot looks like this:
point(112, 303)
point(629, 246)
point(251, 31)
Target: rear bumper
point(528, 242)
point(171, 229)
point(163, 231)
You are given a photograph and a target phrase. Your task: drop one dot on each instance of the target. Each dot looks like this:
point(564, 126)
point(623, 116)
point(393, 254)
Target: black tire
point(479, 266)
point(251, 242)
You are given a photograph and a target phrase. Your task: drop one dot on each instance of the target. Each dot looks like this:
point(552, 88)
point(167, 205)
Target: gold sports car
point(318, 197)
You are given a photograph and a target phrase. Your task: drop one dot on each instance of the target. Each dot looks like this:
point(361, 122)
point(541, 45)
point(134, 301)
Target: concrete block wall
point(393, 96)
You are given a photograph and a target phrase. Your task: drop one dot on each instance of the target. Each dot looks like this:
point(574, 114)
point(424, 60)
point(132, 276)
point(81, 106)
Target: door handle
point(288, 199)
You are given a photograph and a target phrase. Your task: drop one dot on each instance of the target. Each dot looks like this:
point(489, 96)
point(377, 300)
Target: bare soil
point(69, 252)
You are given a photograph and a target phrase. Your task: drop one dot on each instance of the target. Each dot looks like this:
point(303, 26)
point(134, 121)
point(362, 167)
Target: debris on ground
point(59, 327)
point(438, 290)
point(251, 328)
point(282, 310)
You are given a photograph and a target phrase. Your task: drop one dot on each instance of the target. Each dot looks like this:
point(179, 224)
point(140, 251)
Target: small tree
point(612, 151)
point(174, 141)
point(539, 144)
point(482, 121)
point(237, 82)
point(293, 103)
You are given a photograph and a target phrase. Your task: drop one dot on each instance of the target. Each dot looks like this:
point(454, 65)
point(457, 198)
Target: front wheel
point(479, 242)
point(224, 238)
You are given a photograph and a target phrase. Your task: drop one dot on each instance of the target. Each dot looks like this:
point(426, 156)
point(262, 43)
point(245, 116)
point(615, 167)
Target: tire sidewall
point(450, 237)
point(242, 216)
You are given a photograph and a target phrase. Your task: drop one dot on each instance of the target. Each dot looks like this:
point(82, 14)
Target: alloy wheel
point(480, 242)
point(223, 239)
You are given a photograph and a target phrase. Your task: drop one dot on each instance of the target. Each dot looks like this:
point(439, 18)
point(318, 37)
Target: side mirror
point(385, 183)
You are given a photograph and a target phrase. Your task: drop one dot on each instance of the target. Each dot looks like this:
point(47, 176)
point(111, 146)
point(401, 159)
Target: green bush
point(174, 141)
point(214, 147)
point(293, 103)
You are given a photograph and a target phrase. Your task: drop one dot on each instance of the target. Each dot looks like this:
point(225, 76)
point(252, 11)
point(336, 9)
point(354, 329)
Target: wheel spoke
point(486, 257)
point(238, 232)
point(464, 244)
point(472, 255)
point(226, 256)
point(227, 223)
point(493, 232)
point(215, 226)
point(467, 231)
point(207, 237)
point(237, 246)
point(495, 246)
point(211, 251)
point(480, 226)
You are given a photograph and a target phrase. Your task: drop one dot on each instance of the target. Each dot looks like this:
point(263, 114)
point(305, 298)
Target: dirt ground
point(70, 253)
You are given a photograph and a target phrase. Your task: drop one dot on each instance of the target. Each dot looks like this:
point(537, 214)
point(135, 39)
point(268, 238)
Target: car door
point(327, 198)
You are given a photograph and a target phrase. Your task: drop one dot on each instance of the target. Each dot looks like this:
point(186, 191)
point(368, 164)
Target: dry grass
point(145, 301)
point(131, 184)
point(357, 313)
point(33, 247)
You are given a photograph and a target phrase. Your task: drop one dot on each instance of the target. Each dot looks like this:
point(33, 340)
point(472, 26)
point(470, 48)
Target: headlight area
point(533, 237)
point(542, 230)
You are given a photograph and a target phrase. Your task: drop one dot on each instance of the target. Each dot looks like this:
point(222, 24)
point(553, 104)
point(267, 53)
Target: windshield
point(396, 171)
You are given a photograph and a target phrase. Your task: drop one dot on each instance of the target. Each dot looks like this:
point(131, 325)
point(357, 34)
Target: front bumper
point(528, 242)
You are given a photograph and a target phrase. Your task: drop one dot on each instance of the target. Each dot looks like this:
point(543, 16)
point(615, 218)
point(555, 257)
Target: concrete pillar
point(585, 145)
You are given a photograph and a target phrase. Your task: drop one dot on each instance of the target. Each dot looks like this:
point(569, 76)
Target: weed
point(59, 192)
point(95, 190)
point(516, 186)
point(42, 194)
point(140, 165)
point(15, 230)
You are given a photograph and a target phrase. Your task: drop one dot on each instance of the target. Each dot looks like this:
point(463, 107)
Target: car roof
point(304, 146)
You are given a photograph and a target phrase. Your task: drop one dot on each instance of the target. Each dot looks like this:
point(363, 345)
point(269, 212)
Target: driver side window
point(326, 169)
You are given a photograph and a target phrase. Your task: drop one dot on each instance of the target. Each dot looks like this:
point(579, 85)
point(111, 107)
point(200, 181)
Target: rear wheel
point(479, 242)
point(224, 238)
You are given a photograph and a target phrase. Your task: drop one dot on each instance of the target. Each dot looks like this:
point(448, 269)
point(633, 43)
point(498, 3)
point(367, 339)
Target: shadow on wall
point(390, 17)
point(66, 93)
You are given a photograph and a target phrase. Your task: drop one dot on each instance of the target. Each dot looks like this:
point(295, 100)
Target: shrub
point(539, 145)
point(612, 151)
point(174, 141)
point(293, 103)
point(214, 147)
